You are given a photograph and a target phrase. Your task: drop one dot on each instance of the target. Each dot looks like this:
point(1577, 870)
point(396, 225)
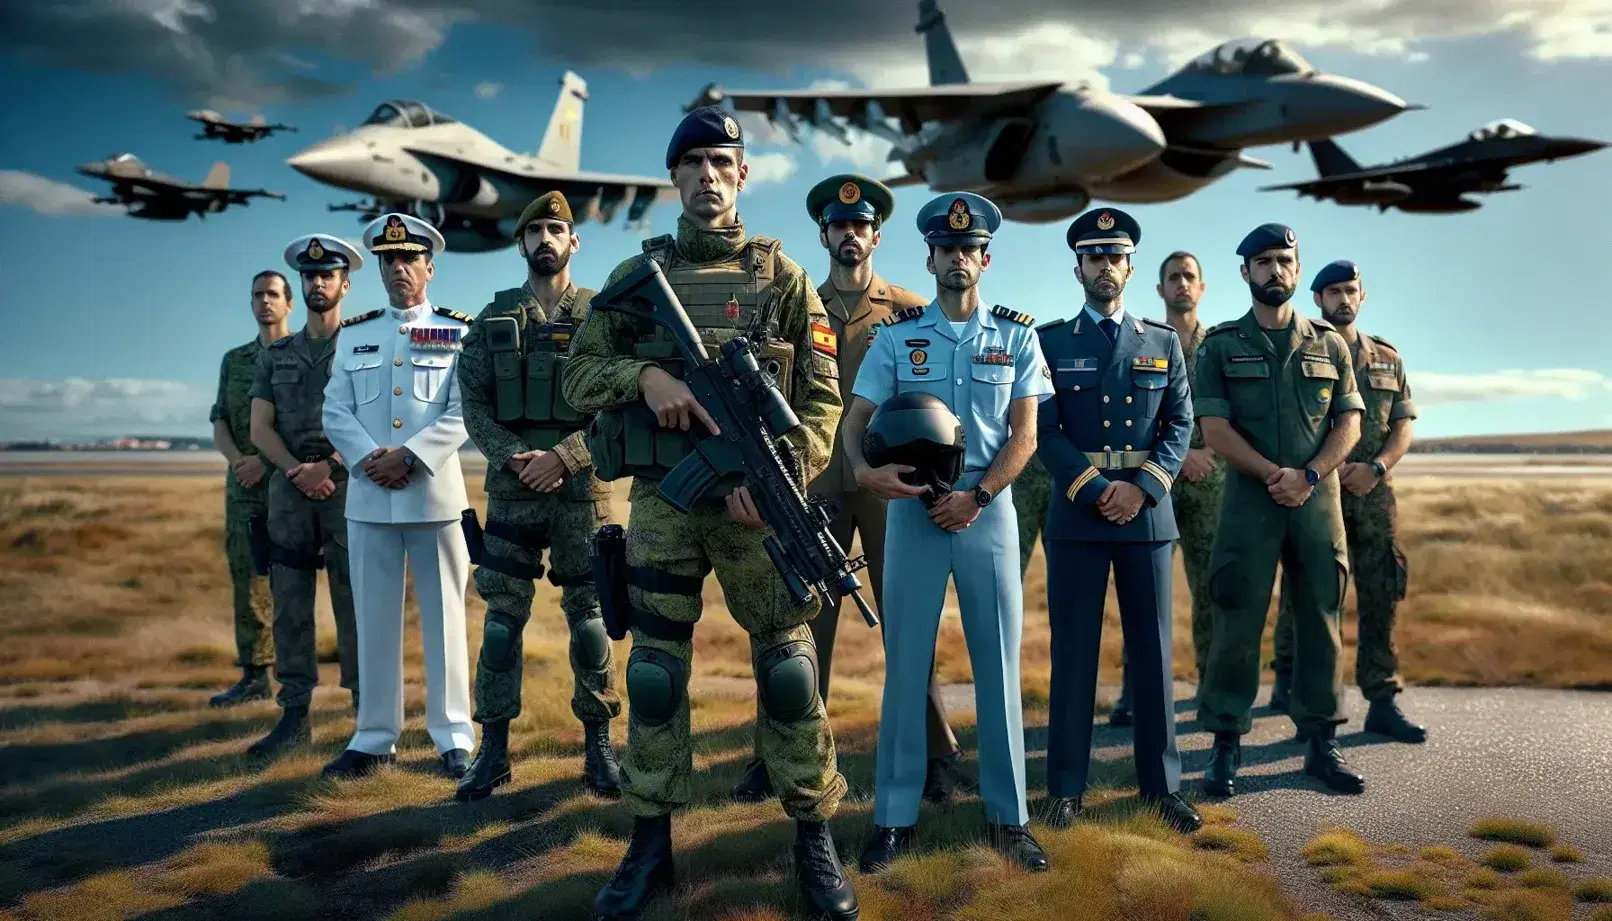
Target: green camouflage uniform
point(1371, 524)
point(1197, 512)
point(673, 551)
point(1032, 490)
point(291, 374)
point(254, 609)
point(563, 520)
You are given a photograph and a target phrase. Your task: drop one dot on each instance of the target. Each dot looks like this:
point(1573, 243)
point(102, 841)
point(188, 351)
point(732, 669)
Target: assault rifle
point(753, 417)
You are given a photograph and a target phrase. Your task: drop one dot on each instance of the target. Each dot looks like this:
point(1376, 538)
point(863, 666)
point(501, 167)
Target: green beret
point(551, 205)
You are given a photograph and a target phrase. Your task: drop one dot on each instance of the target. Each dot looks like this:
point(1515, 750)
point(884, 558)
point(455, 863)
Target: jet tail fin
point(1330, 159)
point(217, 177)
point(945, 64)
point(562, 143)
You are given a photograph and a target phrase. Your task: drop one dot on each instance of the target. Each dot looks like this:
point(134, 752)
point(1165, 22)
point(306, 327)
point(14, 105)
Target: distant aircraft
point(416, 160)
point(215, 125)
point(159, 197)
point(1042, 150)
point(1436, 182)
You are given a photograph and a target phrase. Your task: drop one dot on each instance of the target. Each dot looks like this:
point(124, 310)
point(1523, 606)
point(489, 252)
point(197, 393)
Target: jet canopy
point(404, 113)
point(1504, 128)
point(1254, 57)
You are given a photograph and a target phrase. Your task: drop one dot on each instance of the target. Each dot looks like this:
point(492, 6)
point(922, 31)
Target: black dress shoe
point(1017, 844)
point(938, 781)
point(1325, 761)
point(455, 762)
point(600, 772)
point(353, 763)
point(1062, 811)
point(886, 846)
point(292, 730)
point(823, 883)
point(1385, 718)
point(646, 871)
point(1282, 693)
point(254, 685)
point(490, 770)
point(756, 787)
point(1220, 777)
point(1176, 812)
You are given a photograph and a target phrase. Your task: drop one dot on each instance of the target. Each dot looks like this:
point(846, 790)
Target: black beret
point(1334, 272)
point(707, 126)
point(1267, 236)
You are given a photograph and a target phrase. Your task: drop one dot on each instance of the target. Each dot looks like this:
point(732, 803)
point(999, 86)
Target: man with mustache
point(1370, 519)
point(307, 523)
point(1113, 437)
point(850, 209)
point(1277, 398)
point(541, 492)
point(246, 490)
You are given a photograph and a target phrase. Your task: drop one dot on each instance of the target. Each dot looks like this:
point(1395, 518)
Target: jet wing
point(523, 185)
point(948, 102)
point(1421, 171)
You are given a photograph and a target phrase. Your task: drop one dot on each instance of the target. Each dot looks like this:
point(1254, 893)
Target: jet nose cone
point(1337, 104)
point(1111, 137)
point(327, 161)
point(1572, 147)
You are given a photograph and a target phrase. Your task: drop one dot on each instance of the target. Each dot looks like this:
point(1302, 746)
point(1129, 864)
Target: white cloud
point(775, 166)
point(1557, 383)
point(49, 197)
point(488, 90)
point(76, 407)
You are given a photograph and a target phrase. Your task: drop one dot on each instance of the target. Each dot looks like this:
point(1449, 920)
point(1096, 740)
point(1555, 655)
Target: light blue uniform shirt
point(978, 373)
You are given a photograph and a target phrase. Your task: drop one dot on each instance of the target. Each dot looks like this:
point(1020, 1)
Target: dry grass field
point(123, 795)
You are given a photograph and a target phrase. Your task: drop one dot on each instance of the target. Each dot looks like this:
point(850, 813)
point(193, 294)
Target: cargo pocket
point(1248, 385)
point(1401, 572)
point(1318, 387)
point(992, 390)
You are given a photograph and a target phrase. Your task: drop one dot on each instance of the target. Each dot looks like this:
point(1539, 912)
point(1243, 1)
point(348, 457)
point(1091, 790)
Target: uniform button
point(1127, 423)
point(1127, 399)
point(402, 329)
point(1077, 387)
point(1106, 423)
point(1108, 447)
point(1105, 398)
point(397, 423)
point(397, 362)
point(397, 391)
point(1127, 447)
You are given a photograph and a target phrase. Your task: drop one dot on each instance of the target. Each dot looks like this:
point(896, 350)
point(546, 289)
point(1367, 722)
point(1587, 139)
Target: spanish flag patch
point(824, 340)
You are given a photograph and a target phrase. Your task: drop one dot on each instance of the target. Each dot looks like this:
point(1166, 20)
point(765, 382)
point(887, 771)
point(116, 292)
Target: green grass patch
point(1513, 831)
point(1596, 889)
point(1603, 913)
point(1337, 848)
point(1542, 878)
point(1240, 842)
point(1485, 878)
point(1566, 853)
point(1445, 857)
point(1405, 885)
point(1508, 858)
point(1530, 905)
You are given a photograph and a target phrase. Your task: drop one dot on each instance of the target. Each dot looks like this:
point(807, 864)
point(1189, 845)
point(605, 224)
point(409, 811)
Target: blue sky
point(116, 325)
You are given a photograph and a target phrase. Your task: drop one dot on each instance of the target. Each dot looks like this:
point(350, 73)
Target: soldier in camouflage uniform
point(541, 492)
point(246, 490)
point(307, 526)
point(730, 283)
point(1031, 493)
point(1370, 520)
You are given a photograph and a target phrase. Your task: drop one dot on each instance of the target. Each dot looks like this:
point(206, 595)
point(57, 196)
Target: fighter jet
point(1042, 150)
point(158, 197)
point(215, 125)
point(413, 159)
point(1436, 182)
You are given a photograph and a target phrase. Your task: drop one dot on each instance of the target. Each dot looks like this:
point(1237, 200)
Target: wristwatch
point(1378, 468)
point(982, 496)
point(408, 461)
point(1310, 476)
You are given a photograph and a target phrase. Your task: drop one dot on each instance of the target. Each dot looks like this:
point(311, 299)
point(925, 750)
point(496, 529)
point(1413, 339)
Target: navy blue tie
point(1110, 329)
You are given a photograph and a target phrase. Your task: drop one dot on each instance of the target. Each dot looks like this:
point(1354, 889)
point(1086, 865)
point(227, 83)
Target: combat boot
point(1017, 844)
point(490, 770)
point(1385, 718)
point(292, 730)
point(254, 685)
point(886, 846)
point(1282, 693)
point(645, 871)
point(823, 883)
point(1121, 714)
point(600, 772)
point(1325, 761)
point(1220, 777)
point(1062, 811)
point(756, 786)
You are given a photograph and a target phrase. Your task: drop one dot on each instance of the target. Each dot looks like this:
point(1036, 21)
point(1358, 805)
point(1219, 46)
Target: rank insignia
point(1151, 364)
point(732, 308)
point(993, 355)
point(824, 340)
point(363, 349)
point(850, 193)
point(918, 357)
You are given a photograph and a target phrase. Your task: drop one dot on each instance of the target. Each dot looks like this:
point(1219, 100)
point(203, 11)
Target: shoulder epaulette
point(285, 340)
point(353, 321)
point(659, 248)
point(1381, 341)
point(1317, 321)
point(1225, 327)
point(1159, 323)
point(903, 315)
point(1006, 313)
point(453, 314)
point(1052, 324)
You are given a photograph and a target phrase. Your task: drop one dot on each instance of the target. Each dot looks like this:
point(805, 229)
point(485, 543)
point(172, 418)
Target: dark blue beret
point(1108, 230)
point(1267, 236)
point(1334, 272)
point(707, 126)
point(959, 219)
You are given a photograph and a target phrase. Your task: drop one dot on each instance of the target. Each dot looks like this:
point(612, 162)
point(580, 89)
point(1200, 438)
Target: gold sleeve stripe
point(1086, 476)
point(1159, 474)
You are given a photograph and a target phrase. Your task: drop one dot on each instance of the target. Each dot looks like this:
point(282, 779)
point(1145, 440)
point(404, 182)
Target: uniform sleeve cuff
point(1213, 406)
point(1404, 409)
point(1087, 487)
point(573, 451)
point(1155, 481)
point(1348, 402)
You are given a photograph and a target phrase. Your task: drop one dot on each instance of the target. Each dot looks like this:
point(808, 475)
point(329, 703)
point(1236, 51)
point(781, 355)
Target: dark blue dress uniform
point(1121, 412)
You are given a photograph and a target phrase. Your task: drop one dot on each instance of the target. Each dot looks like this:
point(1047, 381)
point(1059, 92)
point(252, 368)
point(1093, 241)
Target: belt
point(1116, 460)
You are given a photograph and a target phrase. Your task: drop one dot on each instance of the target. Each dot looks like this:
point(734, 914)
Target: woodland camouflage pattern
point(1197, 514)
point(254, 607)
point(601, 374)
point(1032, 490)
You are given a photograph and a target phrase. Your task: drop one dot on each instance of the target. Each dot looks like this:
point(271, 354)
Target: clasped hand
point(1121, 501)
point(1199, 463)
point(542, 471)
point(248, 470)
point(1359, 479)
point(955, 511)
point(313, 479)
point(387, 467)
point(1288, 487)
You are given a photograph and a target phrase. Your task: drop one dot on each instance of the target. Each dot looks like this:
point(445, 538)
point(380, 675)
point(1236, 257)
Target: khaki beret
point(550, 205)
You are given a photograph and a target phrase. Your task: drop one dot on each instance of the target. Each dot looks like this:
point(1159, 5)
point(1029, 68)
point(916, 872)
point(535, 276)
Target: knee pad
point(500, 640)
point(656, 682)
point(590, 645)
point(786, 678)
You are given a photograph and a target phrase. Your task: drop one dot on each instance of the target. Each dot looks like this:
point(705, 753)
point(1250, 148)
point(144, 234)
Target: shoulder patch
point(1382, 342)
point(1159, 323)
point(353, 321)
point(453, 314)
point(1006, 313)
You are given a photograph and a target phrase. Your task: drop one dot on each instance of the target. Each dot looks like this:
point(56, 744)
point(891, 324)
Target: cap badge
point(850, 193)
point(959, 217)
point(315, 252)
point(395, 231)
point(1291, 239)
point(1105, 221)
point(554, 206)
point(731, 127)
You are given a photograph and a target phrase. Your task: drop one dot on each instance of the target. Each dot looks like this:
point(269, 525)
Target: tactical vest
point(527, 369)
point(723, 300)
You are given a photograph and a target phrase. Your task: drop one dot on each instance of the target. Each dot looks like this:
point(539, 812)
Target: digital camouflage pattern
point(1197, 514)
point(567, 518)
point(253, 605)
point(601, 374)
point(1032, 490)
point(1371, 527)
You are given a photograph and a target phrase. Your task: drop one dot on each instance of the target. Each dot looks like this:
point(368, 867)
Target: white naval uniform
point(386, 389)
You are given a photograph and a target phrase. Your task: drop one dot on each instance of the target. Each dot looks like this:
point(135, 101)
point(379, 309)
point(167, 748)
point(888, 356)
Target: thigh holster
point(531, 539)
point(649, 579)
point(296, 559)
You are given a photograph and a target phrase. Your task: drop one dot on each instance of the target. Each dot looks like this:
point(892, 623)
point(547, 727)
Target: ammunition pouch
point(629, 442)
point(257, 541)
point(529, 538)
point(608, 550)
